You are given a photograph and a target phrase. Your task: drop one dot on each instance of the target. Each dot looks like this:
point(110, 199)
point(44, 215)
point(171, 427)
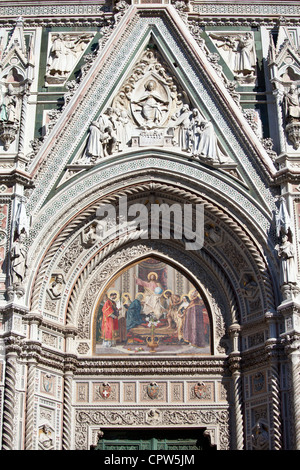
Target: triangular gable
point(189, 65)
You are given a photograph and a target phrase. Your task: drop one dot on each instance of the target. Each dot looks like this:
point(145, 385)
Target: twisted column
point(9, 402)
point(22, 124)
point(295, 375)
point(234, 366)
point(29, 427)
point(67, 409)
point(239, 424)
point(23, 118)
point(276, 409)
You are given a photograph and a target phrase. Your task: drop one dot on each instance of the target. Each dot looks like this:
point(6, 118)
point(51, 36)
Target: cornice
point(153, 367)
point(206, 8)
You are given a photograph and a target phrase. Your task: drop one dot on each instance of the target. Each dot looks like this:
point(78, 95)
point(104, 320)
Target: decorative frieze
point(210, 419)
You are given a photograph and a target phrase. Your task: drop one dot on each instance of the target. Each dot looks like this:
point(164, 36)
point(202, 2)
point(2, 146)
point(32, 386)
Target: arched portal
point(174, 386)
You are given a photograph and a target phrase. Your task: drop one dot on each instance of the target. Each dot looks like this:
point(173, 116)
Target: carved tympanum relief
point(152, 109)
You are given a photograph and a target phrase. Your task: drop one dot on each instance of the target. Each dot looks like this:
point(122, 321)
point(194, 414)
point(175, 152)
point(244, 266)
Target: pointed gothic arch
point(67, 249)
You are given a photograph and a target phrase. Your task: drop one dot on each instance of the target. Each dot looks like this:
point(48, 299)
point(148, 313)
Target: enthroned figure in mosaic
point(151, 307)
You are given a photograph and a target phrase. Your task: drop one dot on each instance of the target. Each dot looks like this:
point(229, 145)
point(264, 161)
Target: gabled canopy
point(189, 66)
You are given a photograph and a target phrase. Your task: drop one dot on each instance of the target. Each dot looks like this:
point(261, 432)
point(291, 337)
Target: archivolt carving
point(185, 196)
point(97, 275)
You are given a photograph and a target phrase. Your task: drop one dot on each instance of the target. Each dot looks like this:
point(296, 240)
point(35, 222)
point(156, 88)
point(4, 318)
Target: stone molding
point(215, 421)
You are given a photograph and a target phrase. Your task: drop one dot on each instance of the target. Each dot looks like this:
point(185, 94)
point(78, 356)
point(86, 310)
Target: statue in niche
point(260, 437)
point(245, 55)
point(45, 437)
point(291, 108)
point(152, 105)
point(18, 259)
point(286, 253)
point(238, 51)
point(291, 104)
point(9, 106)
point(9, 113)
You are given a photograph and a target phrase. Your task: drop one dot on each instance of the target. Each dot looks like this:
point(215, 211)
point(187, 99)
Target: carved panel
point(143, 418)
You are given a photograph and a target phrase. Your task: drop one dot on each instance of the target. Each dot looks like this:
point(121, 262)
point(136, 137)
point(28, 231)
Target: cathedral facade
point(150, 204)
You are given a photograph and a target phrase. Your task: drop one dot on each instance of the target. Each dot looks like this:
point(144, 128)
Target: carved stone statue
point(9, 106)
point(94, 148)
point(183, 122)
point(56, 287)
point(64, 53)
point(152, 105)
point(45, 437)
point(124, 130)
point(245, 57)
point(291, 104)
point(102, 138)
point(291, 107)
point(207, 146)
point(286, 253)
point(9, 120)
point(92, 234)
point(260, 437)
point(18, 258)
point(239, 53)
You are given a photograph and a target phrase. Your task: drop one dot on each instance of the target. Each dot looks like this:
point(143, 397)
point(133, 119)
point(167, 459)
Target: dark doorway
point(154, 439)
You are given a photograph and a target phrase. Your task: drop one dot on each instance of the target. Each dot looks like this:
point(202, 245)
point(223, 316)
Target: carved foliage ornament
point(166, 417)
